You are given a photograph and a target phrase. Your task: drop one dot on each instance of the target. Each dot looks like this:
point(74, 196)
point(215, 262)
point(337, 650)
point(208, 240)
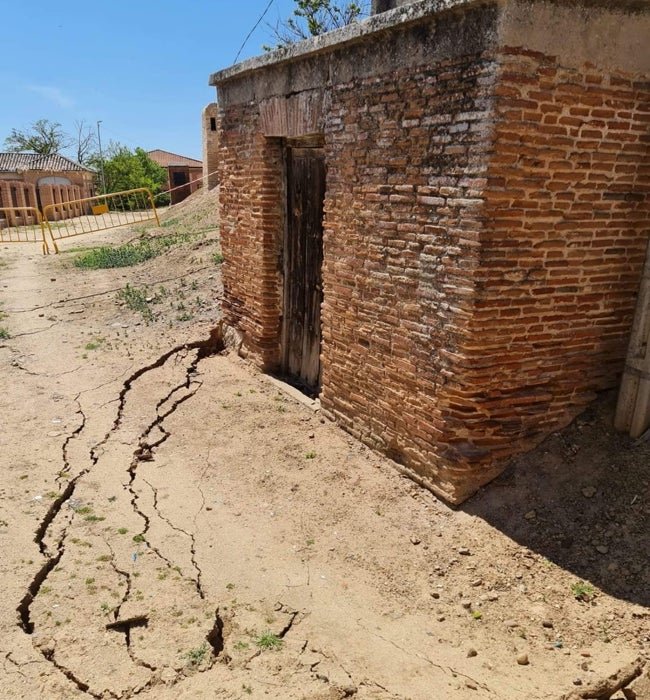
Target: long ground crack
point(53, 554)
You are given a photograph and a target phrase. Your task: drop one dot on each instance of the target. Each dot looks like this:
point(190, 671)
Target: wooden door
point(303, 293)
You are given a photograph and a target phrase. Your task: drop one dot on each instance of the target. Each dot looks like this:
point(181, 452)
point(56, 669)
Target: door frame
point(315, 141)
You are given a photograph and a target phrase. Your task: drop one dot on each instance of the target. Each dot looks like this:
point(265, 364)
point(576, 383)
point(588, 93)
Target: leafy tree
point(127, 170)
point(43, 137)
point(314, 17)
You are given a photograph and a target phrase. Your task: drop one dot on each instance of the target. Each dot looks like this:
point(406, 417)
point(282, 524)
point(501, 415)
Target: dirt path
point(175, 526)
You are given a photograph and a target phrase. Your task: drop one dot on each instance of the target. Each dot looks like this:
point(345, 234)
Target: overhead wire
point(256, 25)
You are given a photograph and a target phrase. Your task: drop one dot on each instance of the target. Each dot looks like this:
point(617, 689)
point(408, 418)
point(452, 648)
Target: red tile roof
point(18, 162)
point(165, 158)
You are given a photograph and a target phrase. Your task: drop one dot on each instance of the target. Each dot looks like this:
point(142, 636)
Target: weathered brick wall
point(403, 209)
point(252, 211)
point(563, 245)
point(210, 117)
point(486, 217)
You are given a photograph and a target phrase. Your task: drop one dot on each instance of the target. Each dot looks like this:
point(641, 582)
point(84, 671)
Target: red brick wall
point(566, 227)
point(252, 206)
point(486, 217)
point(562, 249)
point(406, 157)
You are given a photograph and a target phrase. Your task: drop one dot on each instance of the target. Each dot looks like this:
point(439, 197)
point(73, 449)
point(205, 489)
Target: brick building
point(33, 180)
point(436, 220)
point(183, 174)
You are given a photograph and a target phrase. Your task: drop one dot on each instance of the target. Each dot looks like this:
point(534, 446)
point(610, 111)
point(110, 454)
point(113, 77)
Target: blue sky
point(141, 67)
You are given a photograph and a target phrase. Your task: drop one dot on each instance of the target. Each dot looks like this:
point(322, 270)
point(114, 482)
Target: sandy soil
point(175, 525)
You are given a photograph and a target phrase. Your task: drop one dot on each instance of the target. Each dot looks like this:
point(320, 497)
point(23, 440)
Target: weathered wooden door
point(303, 260)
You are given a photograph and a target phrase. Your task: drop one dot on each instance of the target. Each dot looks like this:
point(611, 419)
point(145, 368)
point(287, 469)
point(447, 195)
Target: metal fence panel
point(23, 225)
point(74, 218)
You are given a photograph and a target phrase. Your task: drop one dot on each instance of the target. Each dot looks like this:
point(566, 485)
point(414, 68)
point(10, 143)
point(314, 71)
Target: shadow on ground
point(582, 500)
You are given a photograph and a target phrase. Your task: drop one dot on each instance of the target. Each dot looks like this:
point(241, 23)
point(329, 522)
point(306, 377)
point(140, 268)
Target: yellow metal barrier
point(23, 225)
point(66, 219)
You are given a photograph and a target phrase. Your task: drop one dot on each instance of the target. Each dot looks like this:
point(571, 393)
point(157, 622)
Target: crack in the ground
point(125, 575)
point(280, 607)
point(18, 666)
point(66, 470)
point(204, 348)
point(189, 535)
point(51, 559)
point(81, 685)
point(215, 637)
point(35, 332)
point(292, 617)
point(144, 453)
point(24, 369)
point(444, 669)
point(185, 275)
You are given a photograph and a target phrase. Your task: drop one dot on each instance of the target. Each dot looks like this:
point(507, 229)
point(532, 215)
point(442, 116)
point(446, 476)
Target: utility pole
point(101, 158)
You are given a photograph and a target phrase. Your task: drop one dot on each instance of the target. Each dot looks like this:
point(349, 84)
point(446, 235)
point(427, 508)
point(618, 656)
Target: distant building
point(34, 180)
point(183, 174)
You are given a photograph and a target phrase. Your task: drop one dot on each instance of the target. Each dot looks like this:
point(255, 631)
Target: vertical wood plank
point(633, 409)
point(303, 264)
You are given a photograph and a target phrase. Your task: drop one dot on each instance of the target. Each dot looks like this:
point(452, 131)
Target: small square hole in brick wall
point(213, 123)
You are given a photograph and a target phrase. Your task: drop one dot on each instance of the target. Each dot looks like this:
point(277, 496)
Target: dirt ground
point(175, 525)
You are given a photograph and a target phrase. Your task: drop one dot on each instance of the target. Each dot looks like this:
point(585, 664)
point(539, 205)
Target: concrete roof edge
point(383, 21)
point(352, 33)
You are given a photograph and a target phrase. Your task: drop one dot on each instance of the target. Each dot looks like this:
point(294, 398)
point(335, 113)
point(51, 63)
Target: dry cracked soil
point(174, 524)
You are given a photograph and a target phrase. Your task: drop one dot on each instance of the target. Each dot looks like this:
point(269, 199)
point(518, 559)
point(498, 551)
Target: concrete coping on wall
point(384, 21)
point(352, 33)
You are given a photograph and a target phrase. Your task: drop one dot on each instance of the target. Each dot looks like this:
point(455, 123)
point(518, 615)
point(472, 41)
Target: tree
point(127, 170)
point(315, 17)
point(85, 142)
point(44, 137)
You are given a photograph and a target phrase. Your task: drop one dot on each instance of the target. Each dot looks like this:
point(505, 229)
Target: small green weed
point(583, 591)
point(196, 656)
point(94, 344)
point(241, 645)
point(94, 518)
point(136, 300)
point(4, 333)
point(605, 633)
point(138, 538)
point(122, 531)
point(310, 455)
point(268, 640)
point(217, 258)
point(129, 254)
point(477, 614)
